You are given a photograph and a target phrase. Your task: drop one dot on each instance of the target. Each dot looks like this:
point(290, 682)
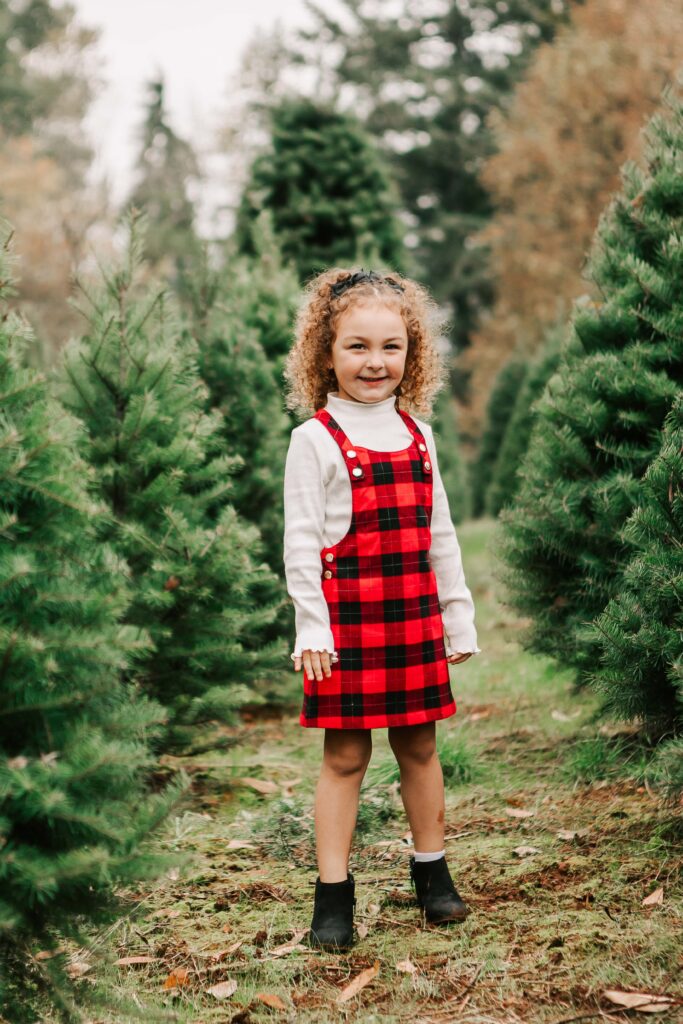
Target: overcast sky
point(197, 44)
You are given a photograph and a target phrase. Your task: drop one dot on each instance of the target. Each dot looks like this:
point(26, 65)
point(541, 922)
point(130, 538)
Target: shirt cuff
point(315, 641)
point(462, 646)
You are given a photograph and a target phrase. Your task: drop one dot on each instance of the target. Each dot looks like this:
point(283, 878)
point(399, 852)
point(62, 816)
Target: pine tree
point(499, 410)
point(451, 463)
point(202, 590)
point(165, 171)
point(571, 123)
point(423, 79)
point(640, 632)
point(599, 421)
point(504, 479)
point(74, 813)
point(242, 320)
point(331, 199)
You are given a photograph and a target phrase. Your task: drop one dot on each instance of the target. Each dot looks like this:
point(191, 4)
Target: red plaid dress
point(381, 592)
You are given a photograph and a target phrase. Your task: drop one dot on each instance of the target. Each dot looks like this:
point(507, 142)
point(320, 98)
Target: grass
point(550, 932)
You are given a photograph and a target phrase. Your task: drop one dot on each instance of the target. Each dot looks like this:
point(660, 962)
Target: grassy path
point(551, 837)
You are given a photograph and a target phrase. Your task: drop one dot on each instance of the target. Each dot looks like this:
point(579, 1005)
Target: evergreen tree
point(499, 410)
point(599, 421)
point(504, 480)
point(242, 319)
point(330, 196)
point(640, 632)
point(165, 171)
point(451, 463)
point(263, 291)
point(424, 79)
point(202, 590)
point(573, 120)
point(74, 813)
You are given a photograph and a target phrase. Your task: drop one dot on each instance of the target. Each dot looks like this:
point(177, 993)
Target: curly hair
point(308, 380)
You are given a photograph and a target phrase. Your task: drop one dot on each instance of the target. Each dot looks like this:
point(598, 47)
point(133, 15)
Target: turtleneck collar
point(361, 410)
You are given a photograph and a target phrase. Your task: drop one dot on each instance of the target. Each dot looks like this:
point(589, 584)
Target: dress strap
point(419, 439)
point(356, 471)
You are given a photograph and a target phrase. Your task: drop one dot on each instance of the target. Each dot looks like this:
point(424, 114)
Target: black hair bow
point(361, 276)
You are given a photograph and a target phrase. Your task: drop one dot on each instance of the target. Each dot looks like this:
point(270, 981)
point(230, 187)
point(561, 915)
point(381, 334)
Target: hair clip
point(360, 277)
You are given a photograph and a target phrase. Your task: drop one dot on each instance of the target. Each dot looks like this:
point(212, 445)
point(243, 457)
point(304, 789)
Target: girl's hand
point(455, 659)
point(315, 663)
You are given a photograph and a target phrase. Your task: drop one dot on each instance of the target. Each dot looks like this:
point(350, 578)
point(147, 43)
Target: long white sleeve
point(318, 506)
point(455, 599)
point(303, 541)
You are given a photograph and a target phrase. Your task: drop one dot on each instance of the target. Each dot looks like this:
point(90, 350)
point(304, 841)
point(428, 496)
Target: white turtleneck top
point(318, 505)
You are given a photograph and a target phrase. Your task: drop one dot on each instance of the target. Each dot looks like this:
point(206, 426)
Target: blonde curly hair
point(308, 380)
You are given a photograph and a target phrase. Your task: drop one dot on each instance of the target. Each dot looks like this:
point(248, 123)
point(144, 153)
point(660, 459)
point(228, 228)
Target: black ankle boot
point(332, 924)
point(435, 891)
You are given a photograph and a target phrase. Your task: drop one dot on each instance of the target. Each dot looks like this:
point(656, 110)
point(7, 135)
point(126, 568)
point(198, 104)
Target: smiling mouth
point(373, 379)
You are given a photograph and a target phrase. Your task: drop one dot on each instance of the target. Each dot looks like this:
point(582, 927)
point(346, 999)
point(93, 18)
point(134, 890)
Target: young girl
point(373, 568)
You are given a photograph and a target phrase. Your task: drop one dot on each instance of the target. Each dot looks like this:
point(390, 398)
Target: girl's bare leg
point(345, 759)
point(422, 789)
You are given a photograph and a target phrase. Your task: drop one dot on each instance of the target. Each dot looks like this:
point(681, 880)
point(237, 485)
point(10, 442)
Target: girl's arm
point(304, 507)
point(455, 599)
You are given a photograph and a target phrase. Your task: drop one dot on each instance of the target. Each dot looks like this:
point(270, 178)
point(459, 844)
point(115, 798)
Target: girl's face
point(369, 352)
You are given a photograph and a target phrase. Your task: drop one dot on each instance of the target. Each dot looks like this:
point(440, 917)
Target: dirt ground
point(570, 864)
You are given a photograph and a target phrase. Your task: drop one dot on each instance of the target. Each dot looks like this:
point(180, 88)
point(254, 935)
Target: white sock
point(423, 857)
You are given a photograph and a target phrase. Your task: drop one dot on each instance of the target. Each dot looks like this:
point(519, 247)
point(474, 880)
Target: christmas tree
point(425, 87)
point(640, 631)
point(504, 480)
point(242, 320)
point(201, 588)
point(165, 171)
point(74, 813)
point(331, 199)
point(499, 409)
point(599, 422)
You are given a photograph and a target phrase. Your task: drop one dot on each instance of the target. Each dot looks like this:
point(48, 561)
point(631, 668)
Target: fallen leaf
point(169, 912)
point(271, 1000)
point(173, 874)
point(525, 851)
point(259, 785)
point(373, 909)
point(655, 898)
point(567, 833)
point(561, 716)
point(223, 989)
point(358, 983)
point(77, 968)
point(47, 954)
point(289, 947)
point(643, 1001)
point(124, 961)
point(177, 978)
point(407, 966)
point(221, 955)
point(518, 812)
point(362, 930)
point(240, 844)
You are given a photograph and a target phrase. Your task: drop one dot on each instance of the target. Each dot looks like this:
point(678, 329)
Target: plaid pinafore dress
point(382, 596)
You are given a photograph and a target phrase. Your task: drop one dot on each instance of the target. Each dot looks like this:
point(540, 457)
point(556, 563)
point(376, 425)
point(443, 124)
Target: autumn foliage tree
point(572, 122)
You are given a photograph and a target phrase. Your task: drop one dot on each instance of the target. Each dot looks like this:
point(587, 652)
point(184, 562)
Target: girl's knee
point(347, 756)
point(413, 748)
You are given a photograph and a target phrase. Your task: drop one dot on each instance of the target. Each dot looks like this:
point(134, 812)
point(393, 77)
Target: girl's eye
point(359, 344)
